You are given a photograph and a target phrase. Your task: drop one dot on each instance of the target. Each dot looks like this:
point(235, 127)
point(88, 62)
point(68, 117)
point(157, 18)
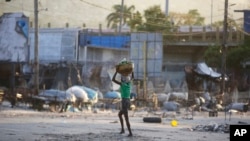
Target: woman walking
point(125, 89)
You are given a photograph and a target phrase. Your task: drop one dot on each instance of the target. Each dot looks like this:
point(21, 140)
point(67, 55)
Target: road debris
point(212, 127)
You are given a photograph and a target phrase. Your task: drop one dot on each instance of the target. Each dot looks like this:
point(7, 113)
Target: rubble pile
point(213, 127)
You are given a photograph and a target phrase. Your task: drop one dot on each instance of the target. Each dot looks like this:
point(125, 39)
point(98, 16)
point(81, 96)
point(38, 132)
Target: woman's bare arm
point(114, 80)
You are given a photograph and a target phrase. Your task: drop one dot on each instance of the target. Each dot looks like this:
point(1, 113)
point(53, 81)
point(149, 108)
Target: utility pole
point(36, 47)
point(167, 7)
point(121, 16)
point(212, 12)
point(224, 48)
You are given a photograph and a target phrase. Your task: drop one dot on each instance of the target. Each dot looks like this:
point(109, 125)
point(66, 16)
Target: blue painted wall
point(109, 41)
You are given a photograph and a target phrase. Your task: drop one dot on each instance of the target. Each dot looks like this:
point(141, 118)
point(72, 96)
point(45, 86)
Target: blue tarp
point(92, 94)
point(203, 69)
point(53, 94)
point(247, 21)
point(112, 94)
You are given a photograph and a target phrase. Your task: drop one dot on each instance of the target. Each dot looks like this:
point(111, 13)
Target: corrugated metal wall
point(56, 45)
point(146, 53)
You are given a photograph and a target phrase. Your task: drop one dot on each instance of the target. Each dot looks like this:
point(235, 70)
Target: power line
point(95, 5)
point(62, 16)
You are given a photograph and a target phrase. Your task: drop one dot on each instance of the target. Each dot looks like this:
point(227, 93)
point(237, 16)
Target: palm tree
point(114, 17)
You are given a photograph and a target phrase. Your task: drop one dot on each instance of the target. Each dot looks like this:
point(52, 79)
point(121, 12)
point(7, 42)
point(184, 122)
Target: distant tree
point(231, 23)
point(193, 17)
point(135, 21)
point(176, 18)
point(234, 59)
point(212, 56)
point(155, 20)
point(113, 18)
point(236, 56)
point(217, 24)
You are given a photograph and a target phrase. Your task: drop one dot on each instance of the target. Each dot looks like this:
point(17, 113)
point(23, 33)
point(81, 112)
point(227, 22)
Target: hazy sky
point(94, 12)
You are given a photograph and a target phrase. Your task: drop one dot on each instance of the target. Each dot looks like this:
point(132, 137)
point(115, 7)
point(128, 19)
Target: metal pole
point(36, 47)
point(167, 7)
point(211, 12)
point(224, 49)
point(145, 70)
point(121, 16)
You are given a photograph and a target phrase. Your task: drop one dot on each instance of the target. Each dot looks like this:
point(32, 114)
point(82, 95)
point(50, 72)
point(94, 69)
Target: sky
point(94, 12)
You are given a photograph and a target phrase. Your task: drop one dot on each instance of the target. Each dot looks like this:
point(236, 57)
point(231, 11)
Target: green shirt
point(125, 89)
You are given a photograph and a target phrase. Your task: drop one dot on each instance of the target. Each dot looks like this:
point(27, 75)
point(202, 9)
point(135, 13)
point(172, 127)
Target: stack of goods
point(125, 68)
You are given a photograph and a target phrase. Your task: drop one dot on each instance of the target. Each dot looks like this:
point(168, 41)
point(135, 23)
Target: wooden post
point(36, 50)
point(204, 34)
point(217, 35)
point(230, 36)
point(190, 37)
point(224, 49)
point(238, 36)
point(242, 36)
point(145, 71)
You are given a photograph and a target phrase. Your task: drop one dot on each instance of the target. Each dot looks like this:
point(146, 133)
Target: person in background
point(125, 89)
